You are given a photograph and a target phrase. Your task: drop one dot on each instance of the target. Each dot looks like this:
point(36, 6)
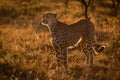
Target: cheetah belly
point(76, 44)
point(58, 42)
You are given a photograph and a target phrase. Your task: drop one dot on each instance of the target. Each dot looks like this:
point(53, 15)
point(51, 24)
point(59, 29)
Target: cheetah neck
point(56, 29)
point(53, 29)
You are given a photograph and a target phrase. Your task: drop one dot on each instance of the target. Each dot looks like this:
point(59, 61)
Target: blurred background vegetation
point(26, 52)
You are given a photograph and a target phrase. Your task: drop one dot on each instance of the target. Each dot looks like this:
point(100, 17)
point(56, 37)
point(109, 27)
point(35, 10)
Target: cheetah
point(64, 36)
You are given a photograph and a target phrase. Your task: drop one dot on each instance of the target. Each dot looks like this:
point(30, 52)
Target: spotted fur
point(64, 36)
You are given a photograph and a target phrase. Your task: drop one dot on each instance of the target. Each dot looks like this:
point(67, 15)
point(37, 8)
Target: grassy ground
point(26, 52)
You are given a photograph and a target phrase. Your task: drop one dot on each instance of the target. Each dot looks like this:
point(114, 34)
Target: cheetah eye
point(45, 16)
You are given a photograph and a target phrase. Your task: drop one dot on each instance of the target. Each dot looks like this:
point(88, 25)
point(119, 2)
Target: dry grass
point(26, 52)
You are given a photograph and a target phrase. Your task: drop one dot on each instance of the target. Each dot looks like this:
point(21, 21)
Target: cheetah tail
point(99, 48)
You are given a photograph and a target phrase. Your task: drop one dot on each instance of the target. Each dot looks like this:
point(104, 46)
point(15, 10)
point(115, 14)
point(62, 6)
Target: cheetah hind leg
point(87, 53)
point(89, 56)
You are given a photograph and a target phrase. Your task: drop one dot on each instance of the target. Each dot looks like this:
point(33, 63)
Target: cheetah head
point(49, 19)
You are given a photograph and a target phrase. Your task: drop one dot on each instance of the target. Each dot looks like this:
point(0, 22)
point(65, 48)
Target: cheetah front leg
point(64, 57)
point(61, 55)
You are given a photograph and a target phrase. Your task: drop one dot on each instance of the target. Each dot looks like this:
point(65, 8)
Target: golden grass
point(27, 54)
